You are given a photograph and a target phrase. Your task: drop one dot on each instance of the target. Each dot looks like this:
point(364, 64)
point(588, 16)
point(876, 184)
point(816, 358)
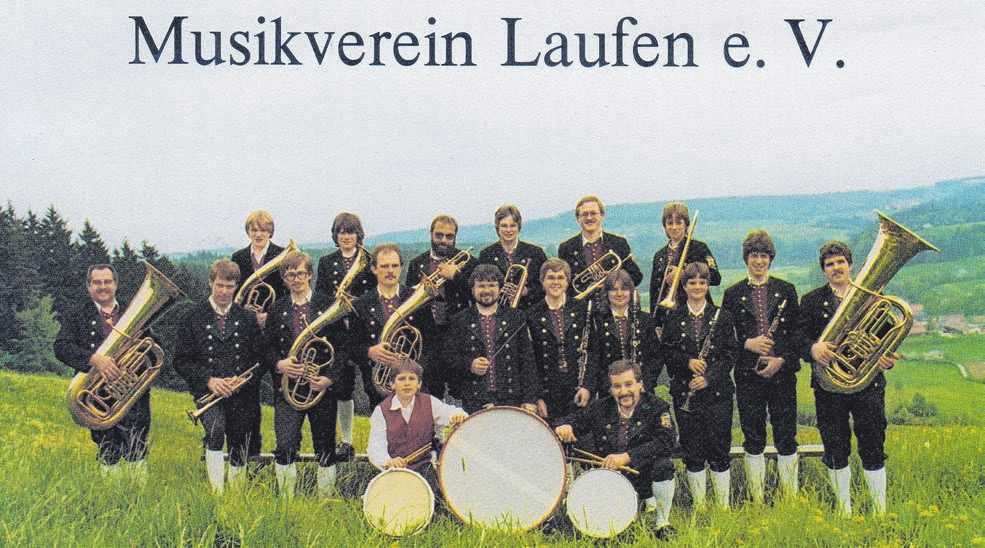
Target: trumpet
point(702, 356)
point(256, 294)
point(403, 338)
point(209, 400)
point(588, 280)
point(670, 300)
point(513, 284)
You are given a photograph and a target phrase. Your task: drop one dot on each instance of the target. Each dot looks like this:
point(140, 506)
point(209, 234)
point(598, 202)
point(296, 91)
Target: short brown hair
point(695, 270)
point(225, 270)
point(555, 264)
point(835, 248)
point(384, 247)
point(446, 219)
point(262, 220)
point(621, 366)
point(618, 277)
point(405, 365)
point(676, 209)
point(350, 224)
point(587, 199)
point(758, 241)
point(102, 266)
point(508, 210)
point(486, 273)
point(295, 259)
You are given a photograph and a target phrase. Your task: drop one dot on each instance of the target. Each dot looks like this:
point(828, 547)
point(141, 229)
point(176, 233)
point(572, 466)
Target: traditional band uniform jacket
point(697, 252)
point(639, 327)
point(572, 251)
point(680, 346)
point(457, 294)
point(535, 257)
point(244, 260)
point(515, 370)
point(331, 272)
point(738, 300)
point(558, 387)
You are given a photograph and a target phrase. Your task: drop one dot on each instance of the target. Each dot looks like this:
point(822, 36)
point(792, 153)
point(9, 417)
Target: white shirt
point(263, 253)
point(378, 447)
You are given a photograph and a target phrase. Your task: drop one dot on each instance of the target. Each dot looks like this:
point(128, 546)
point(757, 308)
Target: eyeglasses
point(291, 276)
point(589, 214)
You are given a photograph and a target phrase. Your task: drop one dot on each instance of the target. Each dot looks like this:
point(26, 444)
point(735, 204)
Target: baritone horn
point(514, 281)
point(209, 400)
point(670, 300)
point(868, 324)
point(98, 403)
point(256, 294)
point(588, 280)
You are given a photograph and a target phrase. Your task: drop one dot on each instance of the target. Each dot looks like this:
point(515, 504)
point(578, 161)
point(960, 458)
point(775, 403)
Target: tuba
point(403, 338)
point(256, 294)
point(588, 280)
point(513, 282)
point(670, 300)
point(98, 403)
point(868, 324)
point(309, 346)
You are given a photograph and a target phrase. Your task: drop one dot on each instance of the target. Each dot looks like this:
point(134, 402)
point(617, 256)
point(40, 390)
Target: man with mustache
point(867, 407)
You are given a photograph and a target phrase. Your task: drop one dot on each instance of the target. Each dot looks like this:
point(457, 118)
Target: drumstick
point(598, 460)
point(420, 451)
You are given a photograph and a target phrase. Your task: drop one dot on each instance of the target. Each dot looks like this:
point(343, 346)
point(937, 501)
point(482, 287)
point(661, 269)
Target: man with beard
point(632, 428)
point(489, 349)
point(510, 250)
point(866, 407)
point(453, 294)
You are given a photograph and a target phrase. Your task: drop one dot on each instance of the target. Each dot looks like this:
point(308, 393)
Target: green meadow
point(54, 495)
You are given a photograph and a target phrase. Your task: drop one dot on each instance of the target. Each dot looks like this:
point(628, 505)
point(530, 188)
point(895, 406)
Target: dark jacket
point(697, 252)
point(331, 272)
point(245, 262)
point(203, 351)
point(572, 251)
point(80, 335)
point(546, 349)
point(651, 434)
point(680, 346)
point(535, 257)
point(455, 293)
point(737, 300)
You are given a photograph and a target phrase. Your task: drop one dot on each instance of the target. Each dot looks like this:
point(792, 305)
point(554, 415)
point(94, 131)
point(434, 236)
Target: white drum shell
point(398, 502)
point(503, 468)
point(601, 503)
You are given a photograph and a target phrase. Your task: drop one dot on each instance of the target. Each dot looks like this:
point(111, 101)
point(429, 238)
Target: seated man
point(631, 428)
point(407, 421)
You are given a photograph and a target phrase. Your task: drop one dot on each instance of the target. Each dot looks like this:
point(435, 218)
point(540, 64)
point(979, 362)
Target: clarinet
point(770, 333)
point(702, 355)
point(634, 341)
point(583, 347)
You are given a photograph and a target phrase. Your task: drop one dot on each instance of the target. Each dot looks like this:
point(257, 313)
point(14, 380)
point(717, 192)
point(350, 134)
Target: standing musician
point(510, 250)
point(82, 332)
point(348, 234)
point(676, 220)
point(372, 311)
point(453, 296)
point(408, 420)
point(702, 385)
point(624, 332)
point(631, 427)
point(288, 318)
point(766, 371)
point(221, 340)
point(489, 349)
point(867, 407)
point(566, 367)
point(583, 249)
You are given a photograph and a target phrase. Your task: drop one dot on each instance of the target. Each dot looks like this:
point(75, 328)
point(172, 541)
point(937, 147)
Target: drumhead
point(601, 503)
point(398, 502)
point(503, 468)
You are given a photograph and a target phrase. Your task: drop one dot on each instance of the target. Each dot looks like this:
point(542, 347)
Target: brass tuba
point(309, 345)
point(513, 283)
point(865, 327)
point(255, 294)
point(403, 338)
point(670, 300)
point(98, 403)
point(588, 280)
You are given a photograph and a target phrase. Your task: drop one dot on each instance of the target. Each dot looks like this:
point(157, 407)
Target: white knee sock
point(215, 465)
point(722, 481)
point(286, 477)
point(326, 480)
point(663, 492)
point(346, 410)
point(755, 475)
point(698, 483)
point(841, 480)
point(786, 466)
point(877, 487)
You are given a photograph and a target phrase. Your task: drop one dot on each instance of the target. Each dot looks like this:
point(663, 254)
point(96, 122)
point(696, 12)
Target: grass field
point(54, 494)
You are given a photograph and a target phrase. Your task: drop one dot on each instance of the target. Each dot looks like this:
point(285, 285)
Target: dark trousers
point(868, 418)
point(289, 421)
point(230, 423)
point(127, 439)
point(756, 397)
point(705, 432)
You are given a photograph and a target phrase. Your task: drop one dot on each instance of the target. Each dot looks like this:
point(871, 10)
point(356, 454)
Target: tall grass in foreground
point(53, 494)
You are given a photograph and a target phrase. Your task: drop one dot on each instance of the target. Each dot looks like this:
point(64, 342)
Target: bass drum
point(601, 503)
point(503, 468)
point(398, 502)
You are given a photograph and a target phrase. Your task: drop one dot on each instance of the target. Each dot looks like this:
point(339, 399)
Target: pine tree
point(34, 345)
point(57, 260)
point(18, 274)
point(129, 269)
point(92, 249)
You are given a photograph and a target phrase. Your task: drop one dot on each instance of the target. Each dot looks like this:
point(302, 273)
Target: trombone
point(670, 301)
point(209, 400)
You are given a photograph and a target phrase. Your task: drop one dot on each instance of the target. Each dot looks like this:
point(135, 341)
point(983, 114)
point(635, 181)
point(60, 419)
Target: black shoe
point(666, 532)
point(345, 452)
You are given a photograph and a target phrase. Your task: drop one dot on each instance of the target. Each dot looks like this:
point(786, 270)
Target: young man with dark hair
point(625, 332)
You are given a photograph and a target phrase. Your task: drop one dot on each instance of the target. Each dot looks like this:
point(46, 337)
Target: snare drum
point(601, 503)
point(398, 502)
point(503, 468)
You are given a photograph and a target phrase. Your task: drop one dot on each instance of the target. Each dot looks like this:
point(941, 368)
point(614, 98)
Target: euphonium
point(256, 294)
point(670, 301)
point(864, 327)
point(309, 346)
point(588, 280)
point(513, 283)
point(98, 403)
point(403, 338)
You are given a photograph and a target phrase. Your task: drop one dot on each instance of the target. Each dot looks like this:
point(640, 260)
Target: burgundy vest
point(403, 438)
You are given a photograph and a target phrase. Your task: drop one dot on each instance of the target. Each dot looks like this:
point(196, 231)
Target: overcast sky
point(179, 154)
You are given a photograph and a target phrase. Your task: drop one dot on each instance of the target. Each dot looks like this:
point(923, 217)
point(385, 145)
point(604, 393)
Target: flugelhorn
point(588, 280)
point(670, 300)
point(256, 294)
point(514, 281)
point(209, 400)
point(308, 346)
point(865, 327)
point(98, 403)
point(403, 338)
